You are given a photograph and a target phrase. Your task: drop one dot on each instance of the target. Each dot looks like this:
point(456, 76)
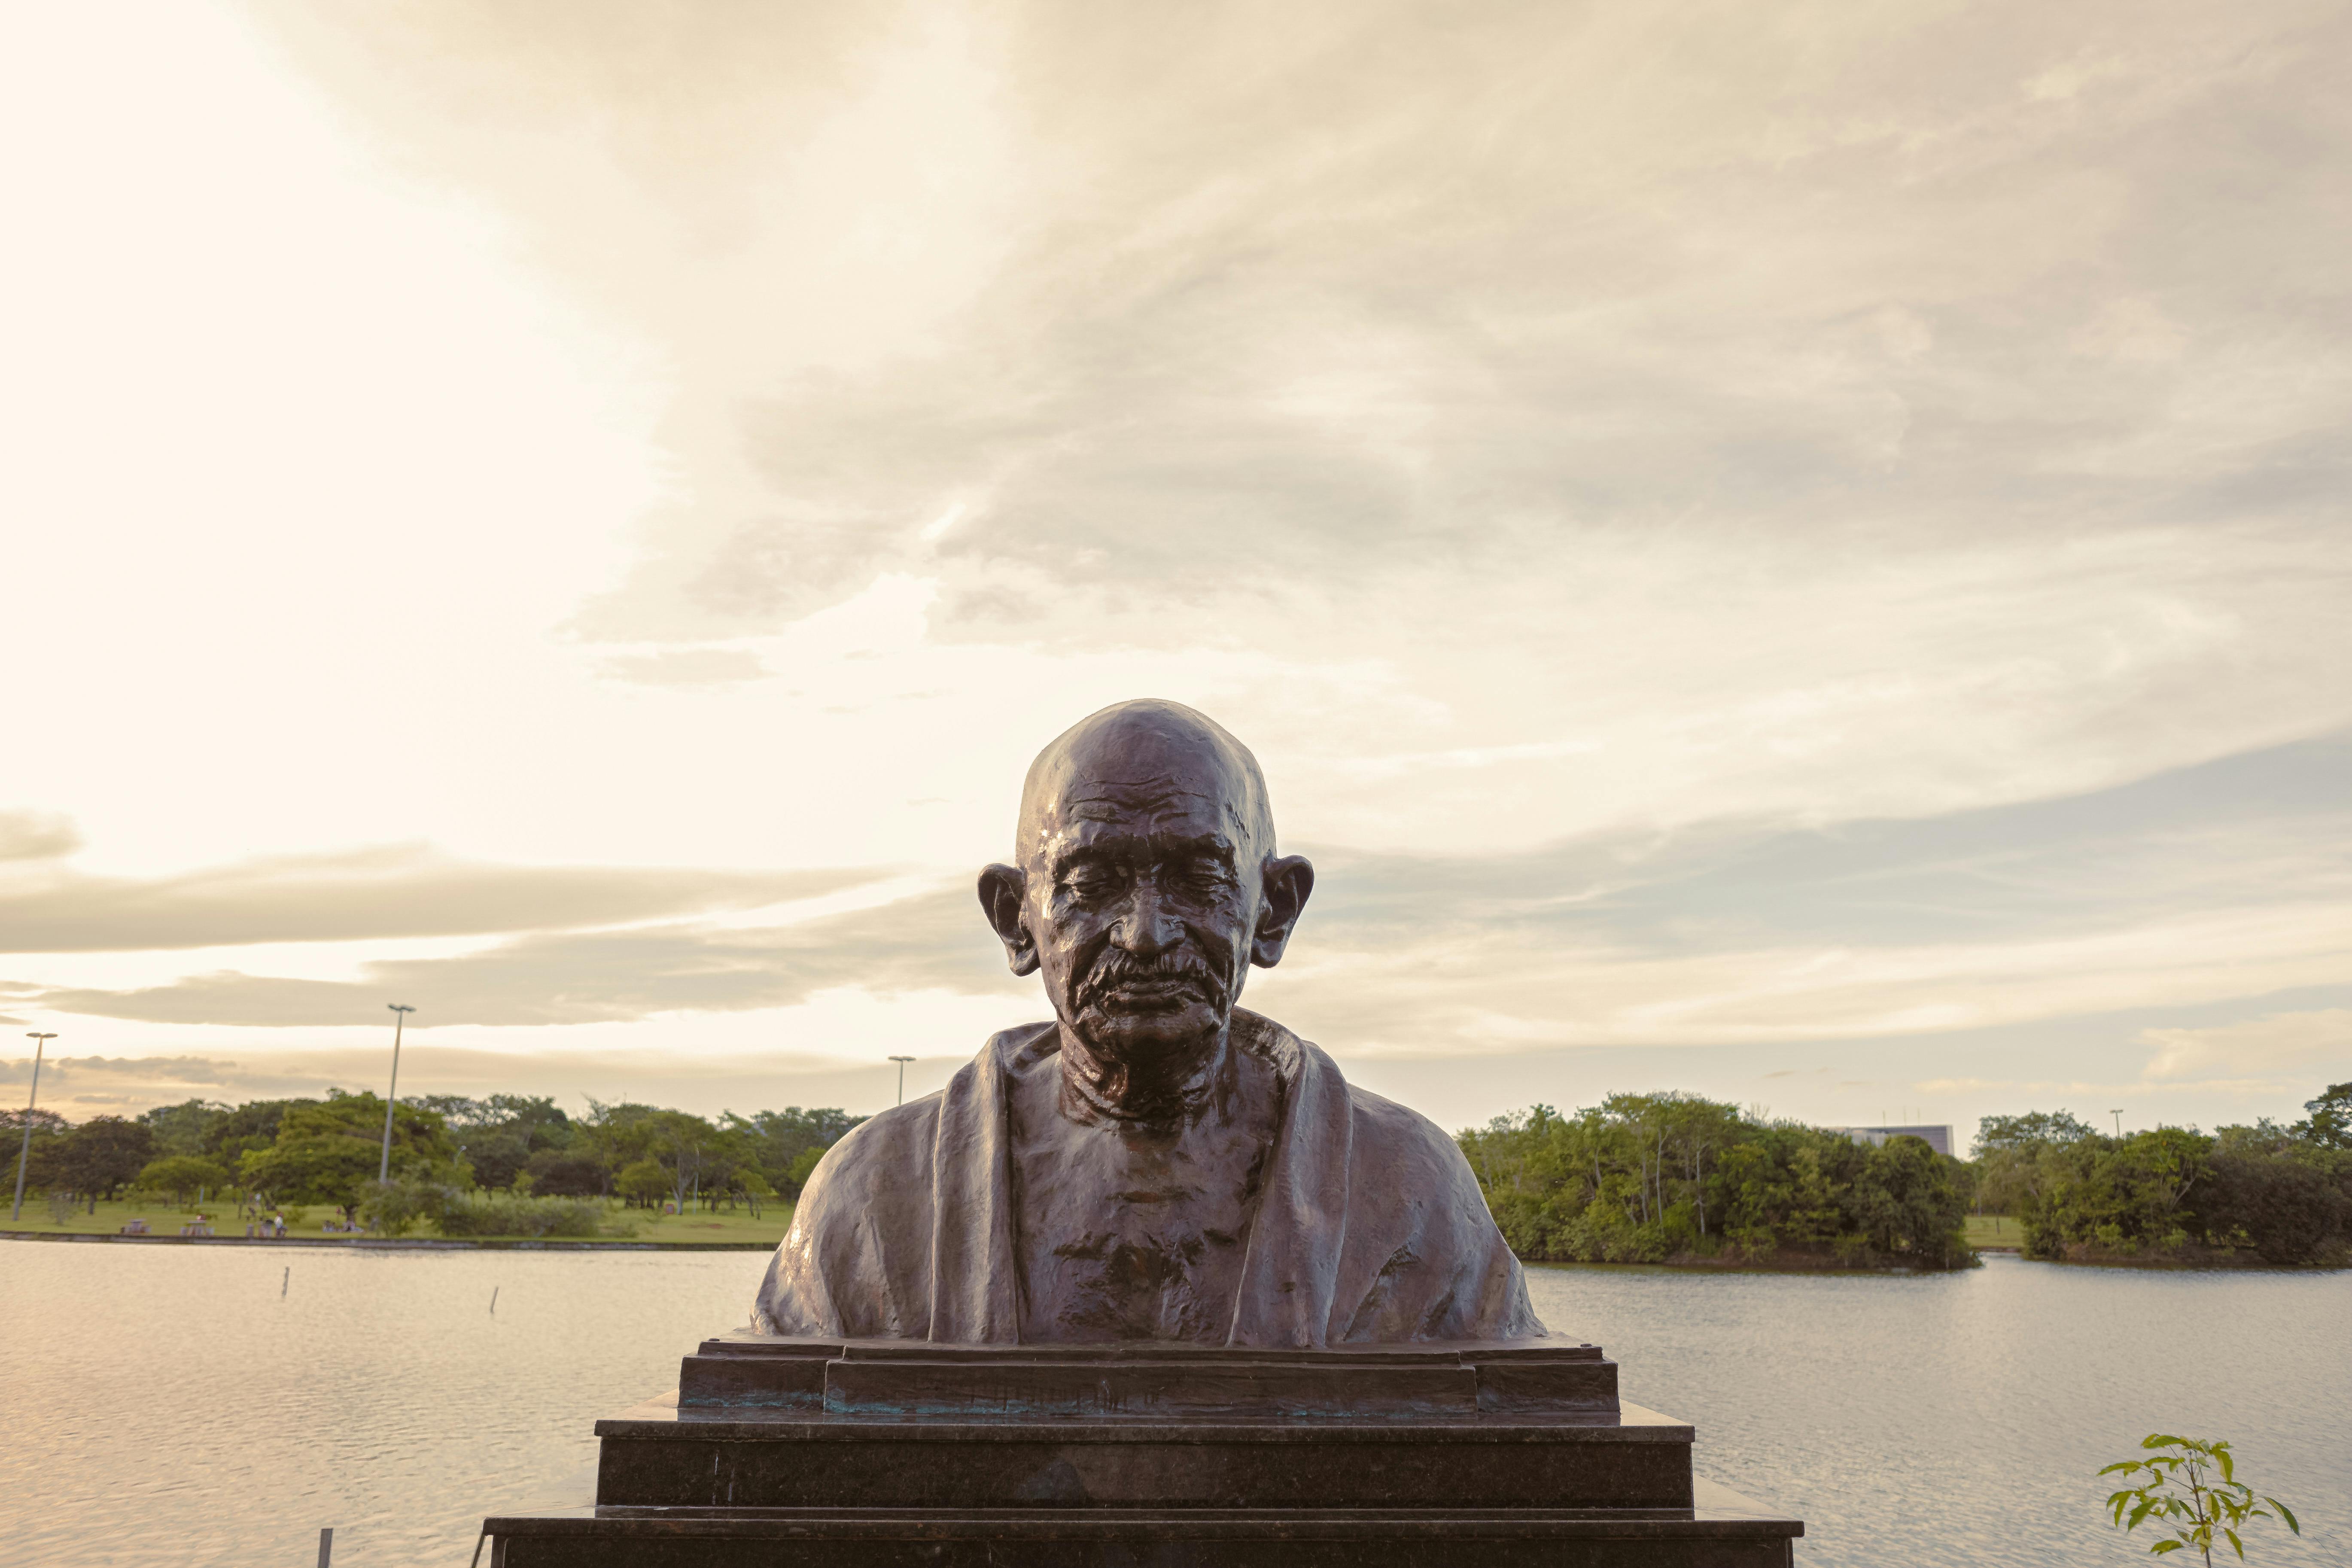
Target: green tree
point(499, 1135)
point(1910, 1199)
point(696, 1155)
point(2284, 1194)
point(184, 1176)
point(644, 1182)
point(103, 1155)
point(752, 1184)
point(39, 1151)
point(186, 1128)
point(2195, 1490)
point(565, 1173)
point(777, 1140)
point(1643, 1177)
point(2328, 1124)
point(326, 1153)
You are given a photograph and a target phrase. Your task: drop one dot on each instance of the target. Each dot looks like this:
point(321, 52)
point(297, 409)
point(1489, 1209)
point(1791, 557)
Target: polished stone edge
point(745, 1370)
point(1450, 1352)
point(660, 1420)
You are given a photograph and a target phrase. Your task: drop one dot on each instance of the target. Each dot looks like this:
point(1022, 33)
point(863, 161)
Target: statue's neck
point(1172, 1087)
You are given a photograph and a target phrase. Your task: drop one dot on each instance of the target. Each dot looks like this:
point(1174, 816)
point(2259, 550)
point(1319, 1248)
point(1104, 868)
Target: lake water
point(176, 1405)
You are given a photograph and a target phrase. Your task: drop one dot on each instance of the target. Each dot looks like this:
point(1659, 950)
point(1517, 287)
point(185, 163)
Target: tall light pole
point(902, 1062)
point(399, 1018)
point(2118, 1115)
point(24, 1151)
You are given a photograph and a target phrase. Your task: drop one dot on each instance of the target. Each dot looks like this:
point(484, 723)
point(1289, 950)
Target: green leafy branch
point(2181, 1490)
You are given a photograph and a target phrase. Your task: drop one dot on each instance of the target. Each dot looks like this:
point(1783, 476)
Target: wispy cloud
point(403, 890)
point(2277, 1044)
point(933, 943)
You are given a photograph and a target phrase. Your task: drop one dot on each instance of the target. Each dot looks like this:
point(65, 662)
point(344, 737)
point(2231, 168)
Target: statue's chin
point(1149, 1043)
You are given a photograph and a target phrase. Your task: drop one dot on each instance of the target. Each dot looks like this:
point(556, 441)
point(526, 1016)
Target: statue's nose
point(1146, 927)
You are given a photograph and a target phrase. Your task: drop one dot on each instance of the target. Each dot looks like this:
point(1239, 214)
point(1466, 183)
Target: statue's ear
point(1288, 880)
point(1000, 891)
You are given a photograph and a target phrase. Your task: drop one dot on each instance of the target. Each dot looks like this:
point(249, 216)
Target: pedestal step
point(657, 1456)
point(1727, 1532)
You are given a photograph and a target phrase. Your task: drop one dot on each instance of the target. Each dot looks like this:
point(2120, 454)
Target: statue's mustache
point(1118, 967)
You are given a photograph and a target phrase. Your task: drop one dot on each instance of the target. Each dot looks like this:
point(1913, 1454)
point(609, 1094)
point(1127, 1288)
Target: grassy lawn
point(1991, 1230)
point(734, 1227)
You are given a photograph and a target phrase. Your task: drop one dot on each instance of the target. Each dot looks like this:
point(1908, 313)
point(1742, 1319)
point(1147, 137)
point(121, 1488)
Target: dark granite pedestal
point(868, 1452)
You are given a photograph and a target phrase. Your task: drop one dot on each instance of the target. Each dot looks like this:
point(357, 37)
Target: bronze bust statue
point(1154, 1163)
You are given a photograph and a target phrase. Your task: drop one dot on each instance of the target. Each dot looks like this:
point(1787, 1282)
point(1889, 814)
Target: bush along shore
point(1678, 1179)
point(1640, 1178)
point(506, 1167)
point(1674, 1178)
point(2262, 1196)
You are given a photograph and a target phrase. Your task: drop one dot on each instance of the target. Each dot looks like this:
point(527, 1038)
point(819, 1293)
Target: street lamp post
point(902, 1062)
point(23, 1150)
point(399, 1018)
point(2118, 1115)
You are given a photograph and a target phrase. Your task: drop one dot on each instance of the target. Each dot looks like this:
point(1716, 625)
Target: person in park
point(1154, 1162)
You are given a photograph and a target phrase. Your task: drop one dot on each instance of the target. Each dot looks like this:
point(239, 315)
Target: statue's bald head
point(1151, 757)
point(1147, 886)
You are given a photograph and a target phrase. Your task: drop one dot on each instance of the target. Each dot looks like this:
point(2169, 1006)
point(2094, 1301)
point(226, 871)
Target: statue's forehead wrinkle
point(1141, 760)
point(1098, 799)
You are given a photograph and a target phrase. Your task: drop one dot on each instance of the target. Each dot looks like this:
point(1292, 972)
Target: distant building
point(1939, 1139)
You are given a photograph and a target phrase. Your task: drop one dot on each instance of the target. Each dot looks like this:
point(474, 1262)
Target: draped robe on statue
point(1370, 1227)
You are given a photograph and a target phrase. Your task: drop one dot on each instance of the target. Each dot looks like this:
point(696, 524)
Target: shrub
point(501, 1214)
point(396, 1207)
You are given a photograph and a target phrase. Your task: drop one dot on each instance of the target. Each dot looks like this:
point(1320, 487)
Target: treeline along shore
point(506, 1166)
point(1638, 1178)
point(1675, 1178)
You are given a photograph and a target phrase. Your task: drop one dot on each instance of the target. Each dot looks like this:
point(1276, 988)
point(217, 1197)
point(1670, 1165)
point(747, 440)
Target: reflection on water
point(1961, 1418)
point(169, 1405)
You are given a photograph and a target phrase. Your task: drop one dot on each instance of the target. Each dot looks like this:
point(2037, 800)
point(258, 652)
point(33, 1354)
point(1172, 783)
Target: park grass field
point(1994, 1230)
point(725, 1228)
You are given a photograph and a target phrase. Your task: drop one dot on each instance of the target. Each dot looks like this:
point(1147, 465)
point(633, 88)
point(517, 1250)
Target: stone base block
point(818, 1454)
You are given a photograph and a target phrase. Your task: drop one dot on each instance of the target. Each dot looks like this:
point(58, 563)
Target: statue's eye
point(1088, 881)
point(1205, 877)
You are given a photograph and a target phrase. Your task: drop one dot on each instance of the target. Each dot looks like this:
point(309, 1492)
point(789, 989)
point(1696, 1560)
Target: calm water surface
point(171, 1405)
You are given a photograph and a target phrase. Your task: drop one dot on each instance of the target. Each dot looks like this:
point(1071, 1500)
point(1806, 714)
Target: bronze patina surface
point(1154, 1163)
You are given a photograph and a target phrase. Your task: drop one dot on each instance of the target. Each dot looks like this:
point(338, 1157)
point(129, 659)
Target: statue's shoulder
point(887, 1150)
point(1396, 1133)
point(1384, 1130)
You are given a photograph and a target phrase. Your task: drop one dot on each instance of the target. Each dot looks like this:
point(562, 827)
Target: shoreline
point(401, 1244)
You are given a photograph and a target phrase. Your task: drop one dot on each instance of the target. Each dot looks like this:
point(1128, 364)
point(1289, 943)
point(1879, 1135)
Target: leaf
point(2236, 1543)
point(2286, 1513)
point(2160, 1440)
point(2140, 1513)
point(2127, 1466)
point(2221, 1457)
point(2161, 1547)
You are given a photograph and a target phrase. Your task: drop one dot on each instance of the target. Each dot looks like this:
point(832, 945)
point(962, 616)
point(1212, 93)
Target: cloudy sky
point(1794, 551)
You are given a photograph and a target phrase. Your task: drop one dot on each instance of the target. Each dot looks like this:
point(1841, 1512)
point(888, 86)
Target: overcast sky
point(1794, 551)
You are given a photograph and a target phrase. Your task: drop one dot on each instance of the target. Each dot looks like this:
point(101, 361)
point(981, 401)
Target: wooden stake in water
point(326, 1546)
point(289, 1280)
point(494, 1300)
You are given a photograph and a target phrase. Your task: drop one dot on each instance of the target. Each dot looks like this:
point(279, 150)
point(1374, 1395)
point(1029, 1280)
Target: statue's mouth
point(1153, 995)
point(1170, 982)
